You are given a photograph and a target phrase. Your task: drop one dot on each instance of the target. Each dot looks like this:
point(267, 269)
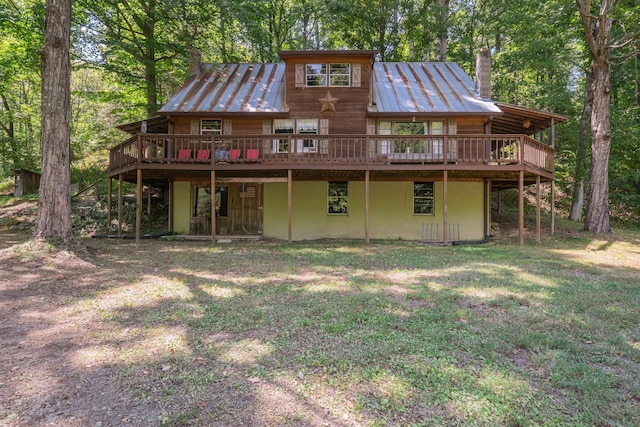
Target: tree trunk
point(442, 13)
point(597, 31)
point(54, 212)
point(577, 202)
point(597, 218)
point(151, 85)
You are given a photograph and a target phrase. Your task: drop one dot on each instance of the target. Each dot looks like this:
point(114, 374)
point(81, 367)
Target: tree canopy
point(128, 56)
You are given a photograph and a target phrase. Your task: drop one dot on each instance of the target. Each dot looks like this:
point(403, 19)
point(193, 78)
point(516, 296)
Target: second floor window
point(328, 74)
point(299, 126)
point(211, 127)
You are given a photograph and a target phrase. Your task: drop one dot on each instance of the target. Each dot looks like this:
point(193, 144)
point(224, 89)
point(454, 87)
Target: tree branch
point(629, 39)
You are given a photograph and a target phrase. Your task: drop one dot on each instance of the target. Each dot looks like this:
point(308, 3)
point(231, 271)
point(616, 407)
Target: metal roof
point(398, 88)
point(521, 120)
point(426, 88)
point(231, 88)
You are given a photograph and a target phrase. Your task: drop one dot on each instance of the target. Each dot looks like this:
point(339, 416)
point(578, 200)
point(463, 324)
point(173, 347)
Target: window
point(331, 74)
point(431, 146)
point(299, 126)
point(316, 74)
point(337, 198)
point(211, 127)
point(307, 126)
point(339, 74)
point(437, 128)
point(282, 126)
point(423, 198)
point(410, 145)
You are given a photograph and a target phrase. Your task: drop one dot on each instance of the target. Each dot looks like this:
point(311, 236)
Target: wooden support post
point(366, 207)
point(521, 207)
point(170, 219)
point(148, 200)
point(289, 200)
point(213, 206)
point(138, 204)
point(120, 190)
point(553, 207)
point(538, 208)
point(488, 208)
point(445, 209)
point(109, 196)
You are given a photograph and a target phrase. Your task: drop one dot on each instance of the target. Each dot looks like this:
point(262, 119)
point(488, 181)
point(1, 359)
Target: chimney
point(195, 62)
point(483, 73)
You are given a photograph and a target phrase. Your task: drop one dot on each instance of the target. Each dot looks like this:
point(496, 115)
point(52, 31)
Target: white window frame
point(337, 73)
point(438, 144)
point(431, 127)
point(333, 74)
point(210, 130)
point(315, 75)
point(282, 126)
point(422, 200)
point(307, 126)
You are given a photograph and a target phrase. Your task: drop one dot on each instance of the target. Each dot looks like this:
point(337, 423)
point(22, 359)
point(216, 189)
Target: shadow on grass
point(325, 333)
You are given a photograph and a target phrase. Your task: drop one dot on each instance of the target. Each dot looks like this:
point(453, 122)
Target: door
point(245, 208)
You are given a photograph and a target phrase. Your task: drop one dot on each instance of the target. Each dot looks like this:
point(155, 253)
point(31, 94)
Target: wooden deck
point(169, 153)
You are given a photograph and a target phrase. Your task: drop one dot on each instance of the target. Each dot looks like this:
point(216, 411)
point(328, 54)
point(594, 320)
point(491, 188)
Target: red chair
point(184, 154)
point(203, 155)
point(234, 154)
point(252, 154)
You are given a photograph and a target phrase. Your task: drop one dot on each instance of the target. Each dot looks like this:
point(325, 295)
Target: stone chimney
point(483, 73)
point(195, 62)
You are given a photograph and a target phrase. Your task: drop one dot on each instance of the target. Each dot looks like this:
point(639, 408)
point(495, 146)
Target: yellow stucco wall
point(181, 206)
point(390, 211)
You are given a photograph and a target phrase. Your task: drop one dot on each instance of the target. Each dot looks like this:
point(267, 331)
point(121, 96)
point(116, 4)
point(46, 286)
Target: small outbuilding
point(26, 182)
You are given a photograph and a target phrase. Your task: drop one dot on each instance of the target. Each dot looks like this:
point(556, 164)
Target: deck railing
point(333, 149)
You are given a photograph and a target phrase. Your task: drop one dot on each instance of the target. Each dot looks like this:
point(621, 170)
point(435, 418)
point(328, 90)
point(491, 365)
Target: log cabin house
point(332, 144)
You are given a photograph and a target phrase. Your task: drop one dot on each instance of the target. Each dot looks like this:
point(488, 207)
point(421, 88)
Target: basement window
point(338, 198)
point(423, 198)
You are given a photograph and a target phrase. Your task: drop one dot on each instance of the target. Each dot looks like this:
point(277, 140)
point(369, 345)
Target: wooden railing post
point(521, 150)
point(140, 149)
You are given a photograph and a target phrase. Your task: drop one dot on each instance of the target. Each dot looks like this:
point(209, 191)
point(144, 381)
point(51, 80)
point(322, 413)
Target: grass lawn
point(328, 333)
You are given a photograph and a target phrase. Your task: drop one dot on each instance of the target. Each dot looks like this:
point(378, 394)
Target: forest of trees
point(128, 56)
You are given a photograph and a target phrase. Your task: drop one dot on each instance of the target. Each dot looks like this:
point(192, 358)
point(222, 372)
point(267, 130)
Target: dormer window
point(331, 74)
point(211, 127)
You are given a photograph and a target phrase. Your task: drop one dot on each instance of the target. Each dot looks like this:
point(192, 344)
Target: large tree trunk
point(577, 202)
point(597, 31)
point(597, 218)
point(54, 212)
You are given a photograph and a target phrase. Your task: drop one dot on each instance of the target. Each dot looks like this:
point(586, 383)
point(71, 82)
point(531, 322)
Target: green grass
point(413, 334)
point(388, 334)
